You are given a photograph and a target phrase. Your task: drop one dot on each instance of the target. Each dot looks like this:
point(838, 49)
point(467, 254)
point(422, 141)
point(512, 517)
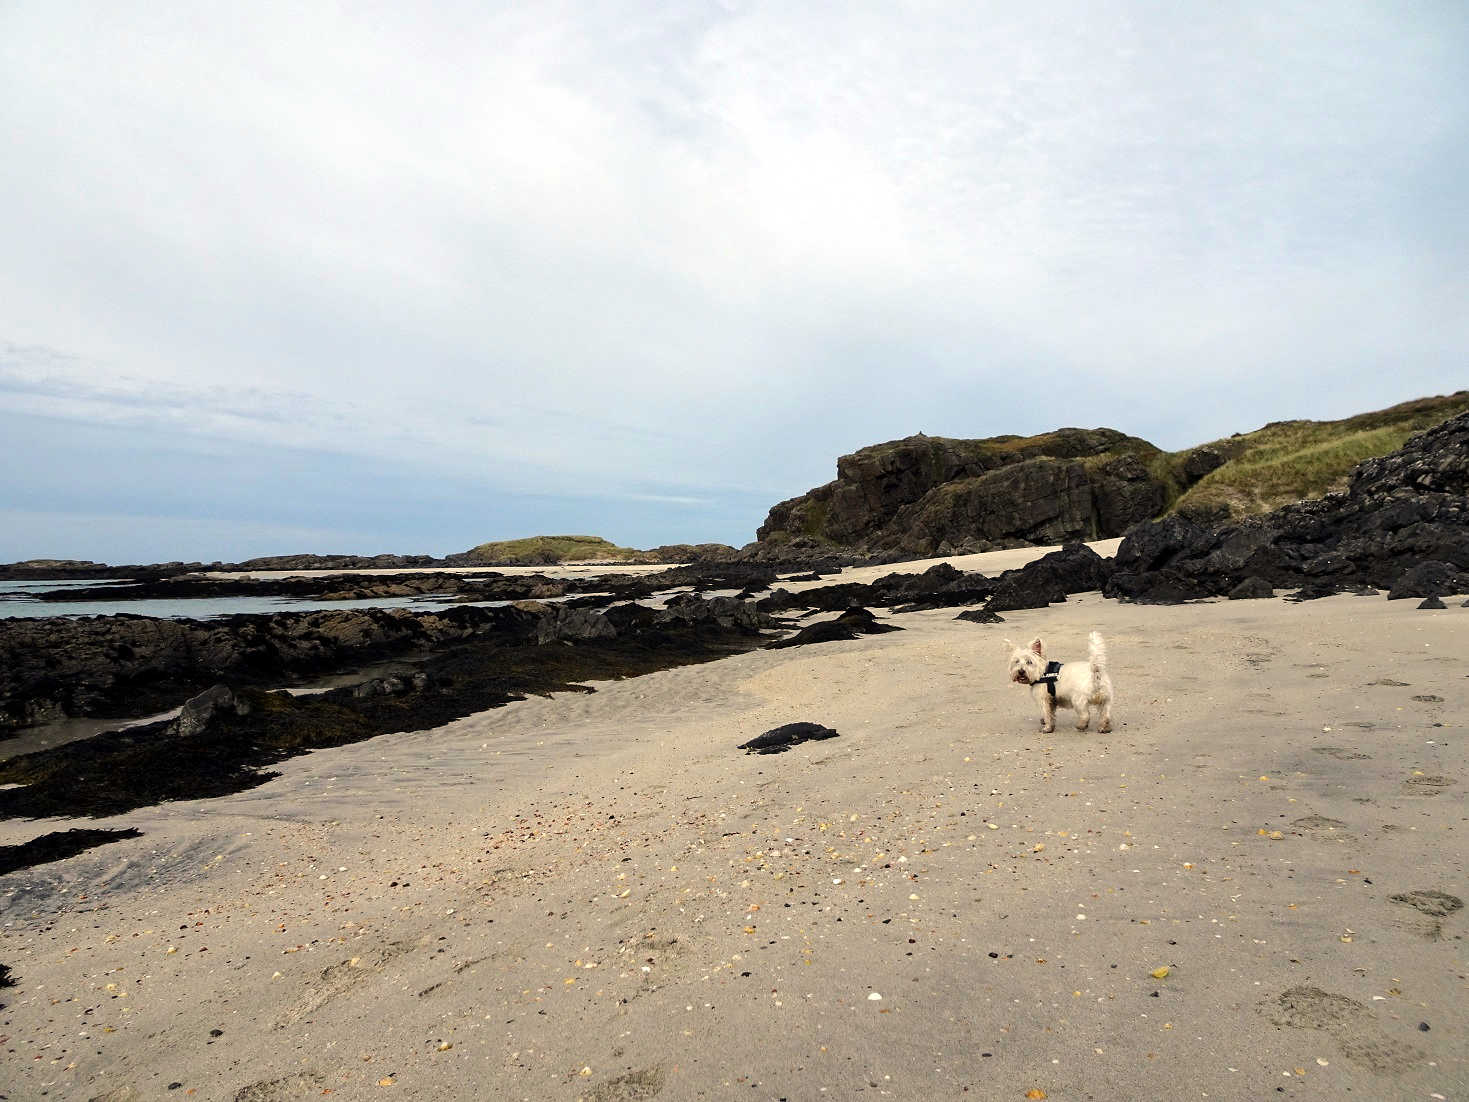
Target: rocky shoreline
point(225, 738)
point(1402, 525)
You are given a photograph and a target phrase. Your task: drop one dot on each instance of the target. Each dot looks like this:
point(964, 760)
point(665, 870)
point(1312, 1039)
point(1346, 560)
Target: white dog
point(1079, 685)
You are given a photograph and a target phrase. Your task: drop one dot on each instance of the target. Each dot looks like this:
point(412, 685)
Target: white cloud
point(590, 246)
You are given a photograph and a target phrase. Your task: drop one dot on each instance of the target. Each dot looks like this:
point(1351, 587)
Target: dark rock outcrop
point(689, 553)
point(336, 562)
point(980, 616)
point(1314, 591)
point(197, 711)
point(1075, 568)
point(928, 495)
point(940, 586)
point(1252, 588)
point(1404, 518)
point(849, 625)
point(139, 766)
point(1014, 594)
point(728, 613)
point(131, 665)
point(1429, 579)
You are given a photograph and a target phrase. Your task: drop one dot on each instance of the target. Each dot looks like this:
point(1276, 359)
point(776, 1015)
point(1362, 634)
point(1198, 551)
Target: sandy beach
point(599, 897)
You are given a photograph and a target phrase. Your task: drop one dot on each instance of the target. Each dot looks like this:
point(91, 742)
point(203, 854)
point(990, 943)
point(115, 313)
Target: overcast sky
point(363, 277)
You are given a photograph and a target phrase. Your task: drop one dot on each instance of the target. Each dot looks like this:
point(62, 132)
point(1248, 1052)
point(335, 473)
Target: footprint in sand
point(338, 980)
point(1348, 1023)
point(659, 958)
point(469, 964)
point(1429, 784)
point(306, 1084)
point(1340, 753)
point(635, 1085)
point(1432, 907)
point(1319, 824)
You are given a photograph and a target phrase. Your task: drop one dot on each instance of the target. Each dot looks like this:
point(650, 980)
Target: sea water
point(20, 599)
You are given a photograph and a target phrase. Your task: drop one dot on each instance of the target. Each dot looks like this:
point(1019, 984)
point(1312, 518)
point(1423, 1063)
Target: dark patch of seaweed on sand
point(57, 846)
point(93, 883)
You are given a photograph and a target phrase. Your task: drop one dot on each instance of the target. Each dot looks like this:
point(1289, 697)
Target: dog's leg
point(1048, 714)
point(1105, 724)
point(1083, 715)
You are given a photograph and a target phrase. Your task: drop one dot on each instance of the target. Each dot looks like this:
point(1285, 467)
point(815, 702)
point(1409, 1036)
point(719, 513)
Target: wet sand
point(599, 897)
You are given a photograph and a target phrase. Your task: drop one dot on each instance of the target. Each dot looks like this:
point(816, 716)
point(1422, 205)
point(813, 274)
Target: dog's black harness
point(1048, 679)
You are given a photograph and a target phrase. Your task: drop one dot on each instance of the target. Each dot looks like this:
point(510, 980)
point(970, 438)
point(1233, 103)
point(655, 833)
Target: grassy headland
point(1290, 460)
point(549, 550)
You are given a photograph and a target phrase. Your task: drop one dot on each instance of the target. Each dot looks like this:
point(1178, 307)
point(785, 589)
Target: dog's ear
point(1037, 646)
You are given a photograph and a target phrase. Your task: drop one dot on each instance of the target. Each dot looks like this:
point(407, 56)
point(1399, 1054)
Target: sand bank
point(598, 897)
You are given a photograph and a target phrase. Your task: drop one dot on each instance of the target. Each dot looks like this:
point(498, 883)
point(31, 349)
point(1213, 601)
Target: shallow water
point(17, 600)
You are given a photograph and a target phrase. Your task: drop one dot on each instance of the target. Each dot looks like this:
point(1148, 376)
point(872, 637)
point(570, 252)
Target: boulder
point(1314, 591)
point(1201, 461)
point(1429, 579)
point(724, 612)
point(940, 586)
point(980, 616)
point(1252, 588)
point(1075, 568)
point(849, 625)
point(1017, 593)
point(197, 711)
point(562, 623)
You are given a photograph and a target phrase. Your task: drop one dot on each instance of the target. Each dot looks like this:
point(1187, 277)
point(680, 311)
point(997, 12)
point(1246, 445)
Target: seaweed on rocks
point(124, 666)
point(120, 771)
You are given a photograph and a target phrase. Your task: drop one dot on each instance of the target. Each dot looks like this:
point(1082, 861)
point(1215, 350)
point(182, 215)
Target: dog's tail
point(1097, 653)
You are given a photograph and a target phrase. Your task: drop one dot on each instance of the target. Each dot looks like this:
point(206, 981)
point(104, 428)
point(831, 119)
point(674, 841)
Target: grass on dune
point(1291, 460)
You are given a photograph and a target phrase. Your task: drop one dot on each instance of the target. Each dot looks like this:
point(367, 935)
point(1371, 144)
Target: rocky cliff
point(928, 495)
point(934, 495)
point(1402, 523)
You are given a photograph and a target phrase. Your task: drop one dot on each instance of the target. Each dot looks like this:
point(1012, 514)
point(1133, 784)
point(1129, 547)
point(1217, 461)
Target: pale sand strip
point(989, 562)
point(724, 920)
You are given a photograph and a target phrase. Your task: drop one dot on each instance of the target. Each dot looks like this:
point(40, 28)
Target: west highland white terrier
point(1079, 685)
